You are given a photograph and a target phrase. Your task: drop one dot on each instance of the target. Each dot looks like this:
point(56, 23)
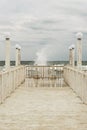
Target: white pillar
point(70, 51)
point(73, 55)
point(18, 55)
point(79, 49)
point(7, 59)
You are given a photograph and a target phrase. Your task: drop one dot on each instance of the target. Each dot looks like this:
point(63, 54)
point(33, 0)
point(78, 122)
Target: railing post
point(79, 49)
point(7, 60)
point(73, 55)
point(0, 88)
point(70, 55)
point(18, 54)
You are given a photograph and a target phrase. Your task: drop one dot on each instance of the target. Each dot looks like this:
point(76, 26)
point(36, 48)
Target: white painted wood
point(7, 59)
point(10, 79)
point(79, 49)
point(77, 80)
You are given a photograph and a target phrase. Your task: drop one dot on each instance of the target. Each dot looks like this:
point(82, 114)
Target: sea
point(12, 63)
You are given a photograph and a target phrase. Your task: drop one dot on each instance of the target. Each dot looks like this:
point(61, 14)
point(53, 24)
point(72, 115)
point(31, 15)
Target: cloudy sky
point(43, 26)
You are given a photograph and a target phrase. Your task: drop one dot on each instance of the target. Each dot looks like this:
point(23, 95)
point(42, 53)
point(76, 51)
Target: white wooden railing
point(77, 80)
point(44, 76)
point(44, 71)
point(10, 80)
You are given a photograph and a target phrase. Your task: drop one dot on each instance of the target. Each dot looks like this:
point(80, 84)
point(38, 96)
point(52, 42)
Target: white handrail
point(10, 80)
point(77, 80)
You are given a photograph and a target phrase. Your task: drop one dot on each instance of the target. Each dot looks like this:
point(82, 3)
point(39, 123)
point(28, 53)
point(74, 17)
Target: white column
point(18, 55)
point(7, 60)
point(79, 49)
point(70, 51)
point(73, 55)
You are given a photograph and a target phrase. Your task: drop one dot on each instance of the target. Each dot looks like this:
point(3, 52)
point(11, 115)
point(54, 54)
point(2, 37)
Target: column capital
point(7, 38)
point(79, 35)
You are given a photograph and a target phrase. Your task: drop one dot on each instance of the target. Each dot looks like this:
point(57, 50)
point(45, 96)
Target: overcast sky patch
point(39, 24)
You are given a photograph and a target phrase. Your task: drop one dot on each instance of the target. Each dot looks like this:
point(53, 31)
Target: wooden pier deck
point(43, 108)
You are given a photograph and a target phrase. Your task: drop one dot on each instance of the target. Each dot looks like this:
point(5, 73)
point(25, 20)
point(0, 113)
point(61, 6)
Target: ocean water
point(12, 63)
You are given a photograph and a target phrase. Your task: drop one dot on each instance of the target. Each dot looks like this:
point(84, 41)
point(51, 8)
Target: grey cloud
point(38, 24)
point(50, 21)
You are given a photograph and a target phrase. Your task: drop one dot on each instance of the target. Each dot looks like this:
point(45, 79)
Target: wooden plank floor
point(43, 108)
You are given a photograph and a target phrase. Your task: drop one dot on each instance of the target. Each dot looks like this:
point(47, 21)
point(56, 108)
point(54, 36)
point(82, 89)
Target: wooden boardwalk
point(43, 108)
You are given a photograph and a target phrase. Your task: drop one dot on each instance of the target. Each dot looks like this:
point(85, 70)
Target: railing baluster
point(10, 80)
point(53, 73)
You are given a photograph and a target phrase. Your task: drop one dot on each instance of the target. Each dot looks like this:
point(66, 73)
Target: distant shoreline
point(12, 63)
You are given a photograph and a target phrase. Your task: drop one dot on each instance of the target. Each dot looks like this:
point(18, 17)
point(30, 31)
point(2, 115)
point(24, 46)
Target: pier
point(42, 97)
point(31, 102)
